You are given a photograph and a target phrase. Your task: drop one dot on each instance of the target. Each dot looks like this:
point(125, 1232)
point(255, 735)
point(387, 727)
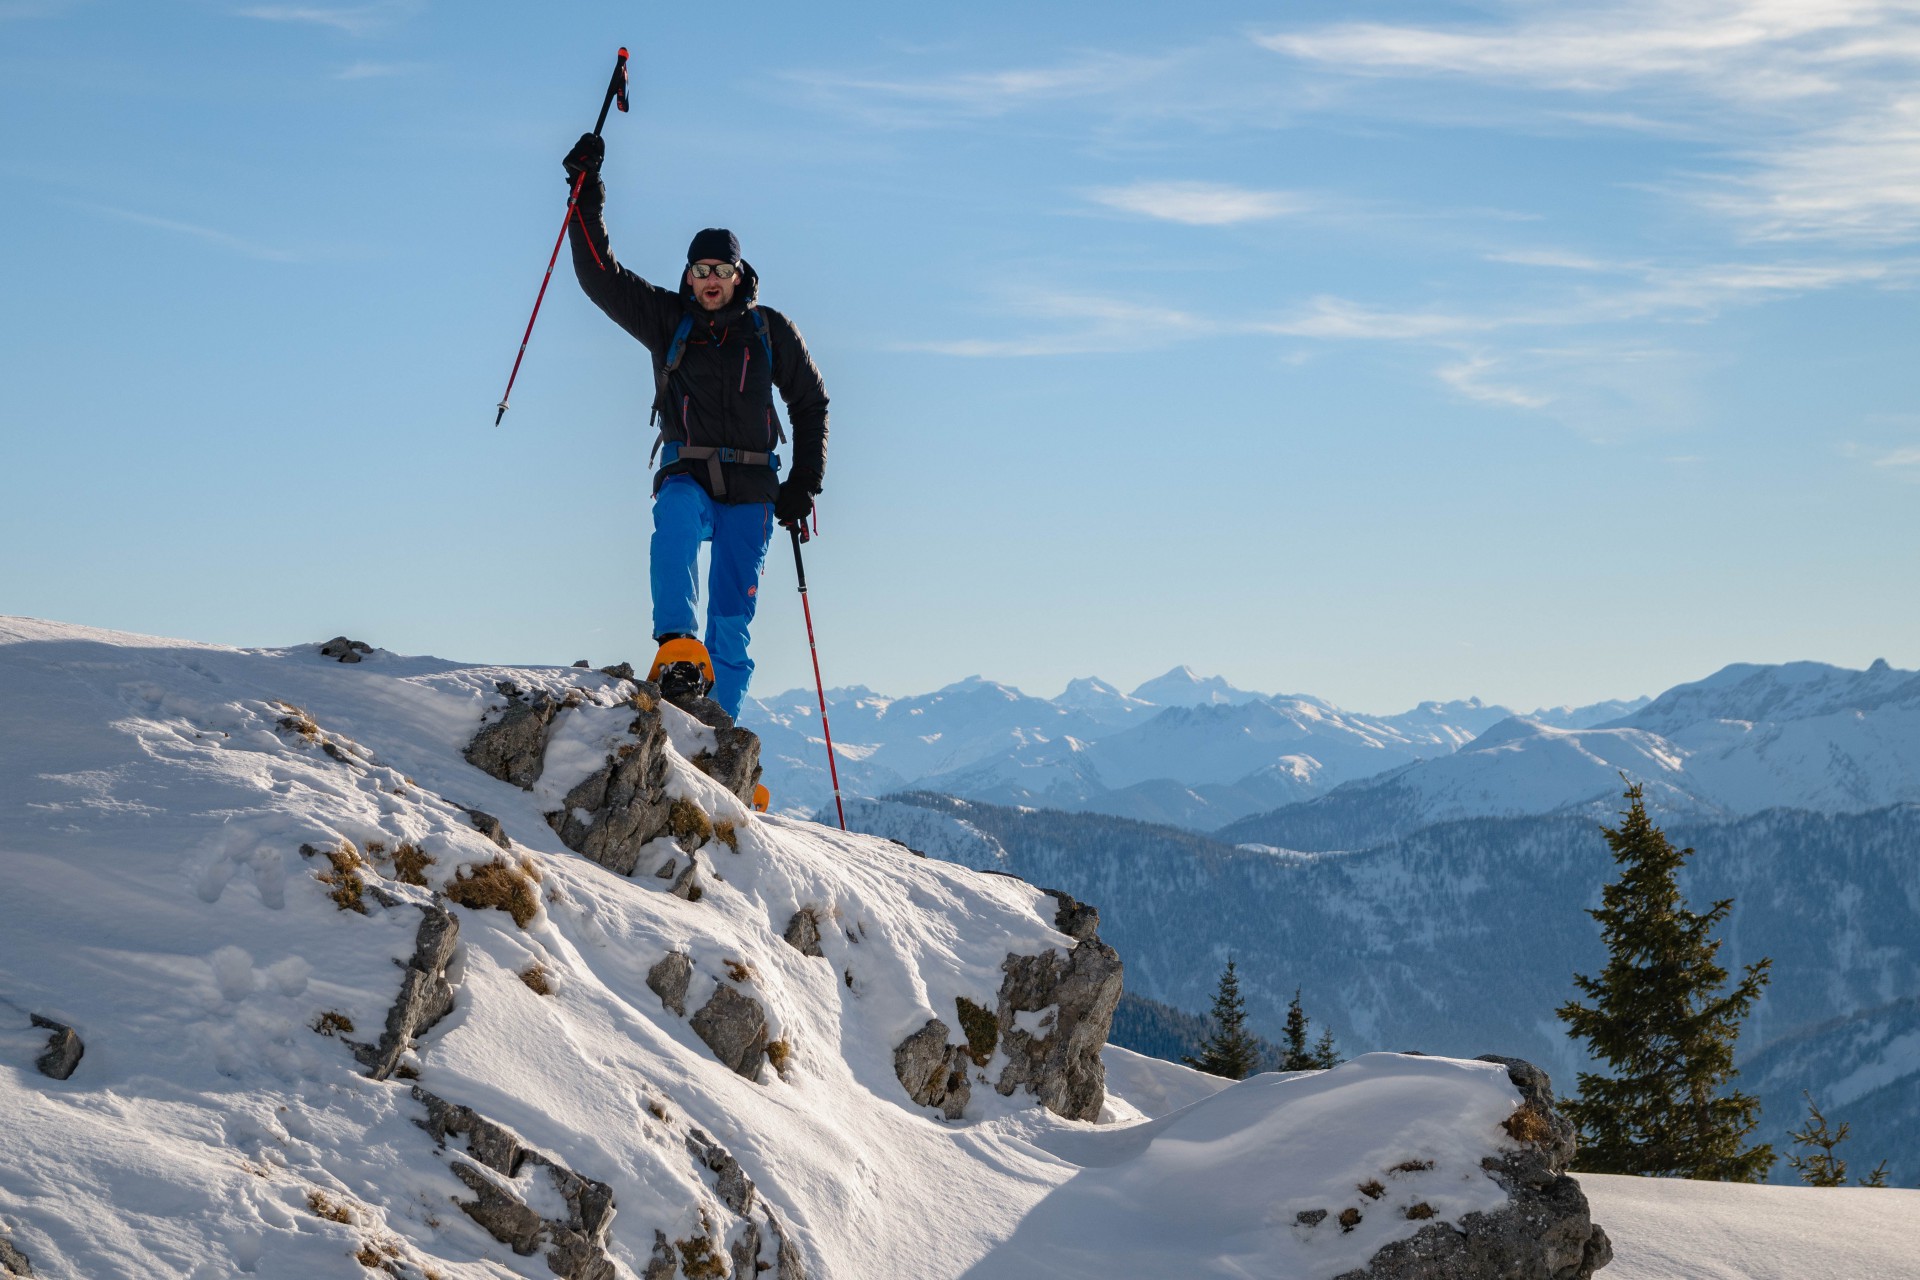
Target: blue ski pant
point(684, 516)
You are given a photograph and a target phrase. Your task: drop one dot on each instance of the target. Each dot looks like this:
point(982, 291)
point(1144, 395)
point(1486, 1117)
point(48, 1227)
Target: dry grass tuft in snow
point(689, 824)
point(499, 886)
point(410, 863)
point(348, 887)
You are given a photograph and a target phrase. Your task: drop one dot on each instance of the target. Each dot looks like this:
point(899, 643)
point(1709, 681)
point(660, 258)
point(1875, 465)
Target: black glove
point(585, 156)
point(794, 504)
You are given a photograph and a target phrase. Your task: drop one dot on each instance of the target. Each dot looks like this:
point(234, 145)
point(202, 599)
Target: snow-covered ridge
point(1799, 736)
point(227, 868)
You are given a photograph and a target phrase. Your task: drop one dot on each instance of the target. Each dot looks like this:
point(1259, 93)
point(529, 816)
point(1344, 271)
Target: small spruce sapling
point(1294, 1053)
point(1820, 1167)
point(1231, 1050)
point(1660, 1019)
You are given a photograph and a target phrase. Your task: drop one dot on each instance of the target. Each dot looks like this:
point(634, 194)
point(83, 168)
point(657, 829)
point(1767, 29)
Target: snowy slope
point(1666, 1229)
point(155, 797)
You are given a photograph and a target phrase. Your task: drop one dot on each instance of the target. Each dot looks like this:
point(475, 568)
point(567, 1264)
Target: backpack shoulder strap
point(760, 329)
point(675, 350)
point(678, 347)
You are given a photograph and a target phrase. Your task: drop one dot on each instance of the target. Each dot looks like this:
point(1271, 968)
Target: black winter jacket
point(722, 393)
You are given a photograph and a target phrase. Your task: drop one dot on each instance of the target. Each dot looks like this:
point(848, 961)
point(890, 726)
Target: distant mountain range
point(1802, 735)
point(1183, 749)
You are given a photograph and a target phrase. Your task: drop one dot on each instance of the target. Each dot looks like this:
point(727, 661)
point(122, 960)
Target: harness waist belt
point(713, 457)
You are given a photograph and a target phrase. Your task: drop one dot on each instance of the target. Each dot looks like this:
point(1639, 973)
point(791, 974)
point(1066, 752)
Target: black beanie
point(715, 242)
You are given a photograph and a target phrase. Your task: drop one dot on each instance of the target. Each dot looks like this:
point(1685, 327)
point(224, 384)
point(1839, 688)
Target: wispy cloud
point(364, 70)
point(1331, 317)
point(1899, 458)
point(908, 100)
point(1200, 204)
point(210, 235)
point(1468, 377)
point(354, 20)
point(1813, 103)
point(1095, 326)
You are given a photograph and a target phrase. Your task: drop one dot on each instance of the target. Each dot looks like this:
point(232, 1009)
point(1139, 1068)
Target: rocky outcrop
point(734, 1026)
point(735, 1190)
point(1058, 1060)
point(64, 1049)
point(425, 994)
point(803, 932)
point(575, 1243)
point(341, 649)
point(513, 746)
point(12, 1261)
point(1051, 1020)
point(934, 1071)
point(615, 811)
point(1545, 1232)
point(487, 825)
point(668, 979)
point(734, 762)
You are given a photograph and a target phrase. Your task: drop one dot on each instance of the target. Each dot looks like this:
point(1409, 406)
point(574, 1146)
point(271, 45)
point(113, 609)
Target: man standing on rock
point(717, 358)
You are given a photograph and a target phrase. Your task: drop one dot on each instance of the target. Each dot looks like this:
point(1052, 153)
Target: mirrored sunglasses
point(701, 270)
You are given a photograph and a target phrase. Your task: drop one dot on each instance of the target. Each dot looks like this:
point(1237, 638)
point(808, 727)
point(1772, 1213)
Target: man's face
point(713, 293)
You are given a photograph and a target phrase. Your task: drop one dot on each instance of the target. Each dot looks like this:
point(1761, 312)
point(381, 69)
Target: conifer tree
point(1294, 1054)
point(1325, 1055)
point(1660, 1019)
point(1231, 1050)
point(1820, 1167)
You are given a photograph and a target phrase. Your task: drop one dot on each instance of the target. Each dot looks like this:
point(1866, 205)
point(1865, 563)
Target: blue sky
point(1384, 352)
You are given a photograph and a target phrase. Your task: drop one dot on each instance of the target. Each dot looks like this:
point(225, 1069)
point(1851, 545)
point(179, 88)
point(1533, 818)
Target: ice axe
point(616, 92)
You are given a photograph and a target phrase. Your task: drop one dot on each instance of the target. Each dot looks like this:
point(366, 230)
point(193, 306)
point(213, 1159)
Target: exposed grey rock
point(493, 1145)
point(620, 671)
point(1545, 1232)
point(425, 995)
point(730, 1181)
point(63, 1048)
point(14, 1262)
point(734, 762)
point(687, 884)
point(513, 748)
point(1078, 920)
point(582, 663)
point(788, 1263)
point(487, 825)
point(668, 979)
point(933, 1071)
point(1061, 1067)
point(667, 869)
point(803, 932)
point(706, 711)
point(504, 1215)
point(342, 649)
point(625, 801)
point(745, 1250)
point(576, 1243)
point(734, 1026)
point(661, 1264)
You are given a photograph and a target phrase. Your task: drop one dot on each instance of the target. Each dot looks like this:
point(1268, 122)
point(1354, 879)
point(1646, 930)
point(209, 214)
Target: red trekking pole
point(798, 530)
point(616, 91)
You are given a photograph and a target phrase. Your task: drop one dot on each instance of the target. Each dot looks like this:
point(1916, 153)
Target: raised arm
point(644, 310)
